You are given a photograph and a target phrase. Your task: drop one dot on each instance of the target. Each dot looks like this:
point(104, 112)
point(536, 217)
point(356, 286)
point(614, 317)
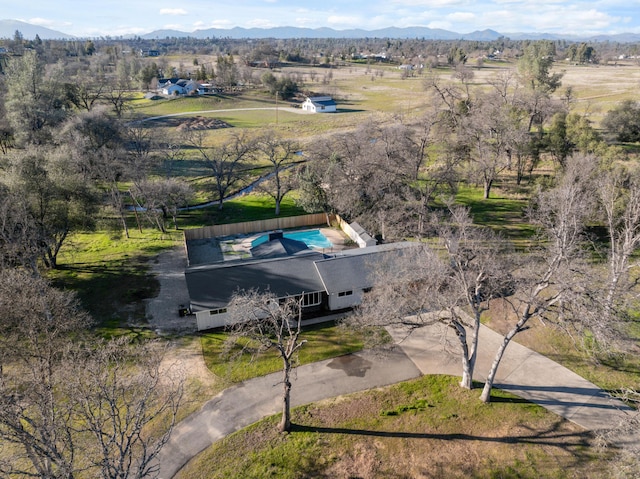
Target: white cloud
point(173, 11)
point(174, 26)
point(222, 23)
point(344, 20)
point(430, 3)
point(303, 21)
point(461, 17)
point(261, 23)
point(382, 21)
point(440, 24)
point(43, 22)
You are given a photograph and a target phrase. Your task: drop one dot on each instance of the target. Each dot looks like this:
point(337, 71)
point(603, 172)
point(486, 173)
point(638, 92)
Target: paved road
point(299, 111)
point(522, 372)
point(257, 398)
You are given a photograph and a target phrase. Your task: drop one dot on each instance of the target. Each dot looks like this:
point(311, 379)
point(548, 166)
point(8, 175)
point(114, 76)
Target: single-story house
point(172, 89)
point(319, 104)
point(149, 53)
point(286, 268)
point(181, 87)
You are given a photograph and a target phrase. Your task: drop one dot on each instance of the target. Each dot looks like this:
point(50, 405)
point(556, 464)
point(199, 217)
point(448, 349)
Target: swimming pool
point(312, 238)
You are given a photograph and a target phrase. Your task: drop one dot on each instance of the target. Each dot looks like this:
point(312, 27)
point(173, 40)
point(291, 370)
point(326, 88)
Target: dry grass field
point(380, 93)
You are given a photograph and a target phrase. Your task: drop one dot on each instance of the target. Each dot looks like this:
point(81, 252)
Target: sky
point(122, 17)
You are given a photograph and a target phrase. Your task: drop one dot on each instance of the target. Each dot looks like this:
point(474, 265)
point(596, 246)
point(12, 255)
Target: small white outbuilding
point(319, 104)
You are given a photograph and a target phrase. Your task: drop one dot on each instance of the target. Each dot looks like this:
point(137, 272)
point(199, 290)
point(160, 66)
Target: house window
point(345, 293)
point(311, 299)
point(217, 311)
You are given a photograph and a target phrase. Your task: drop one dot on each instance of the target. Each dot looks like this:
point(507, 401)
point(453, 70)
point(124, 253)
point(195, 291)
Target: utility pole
point(277, 107)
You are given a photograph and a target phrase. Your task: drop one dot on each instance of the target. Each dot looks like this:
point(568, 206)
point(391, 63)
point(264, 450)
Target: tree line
point(72, 404)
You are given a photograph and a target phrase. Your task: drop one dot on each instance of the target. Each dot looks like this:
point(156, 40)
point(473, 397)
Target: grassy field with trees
point(518, 170)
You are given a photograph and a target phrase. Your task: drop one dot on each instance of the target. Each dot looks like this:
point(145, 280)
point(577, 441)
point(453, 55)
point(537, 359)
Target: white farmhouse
point(319, 104)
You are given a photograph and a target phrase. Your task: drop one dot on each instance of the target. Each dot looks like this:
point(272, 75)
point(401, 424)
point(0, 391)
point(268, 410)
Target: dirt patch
point(184, 358)
point(184, 355)
point(201, 123)
point(187, 356)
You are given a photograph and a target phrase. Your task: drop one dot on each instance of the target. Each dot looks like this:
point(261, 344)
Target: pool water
point(312, 238)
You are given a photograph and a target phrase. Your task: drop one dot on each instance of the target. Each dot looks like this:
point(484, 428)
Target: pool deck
point(214, 250)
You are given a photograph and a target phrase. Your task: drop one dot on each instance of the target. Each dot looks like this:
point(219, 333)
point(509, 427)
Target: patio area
point(227, 248)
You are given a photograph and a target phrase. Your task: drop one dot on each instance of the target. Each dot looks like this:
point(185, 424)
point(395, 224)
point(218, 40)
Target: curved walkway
point(522, 371)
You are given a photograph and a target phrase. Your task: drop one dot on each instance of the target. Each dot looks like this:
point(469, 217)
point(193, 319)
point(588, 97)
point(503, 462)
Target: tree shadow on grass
point(552, 436)
point(113, 292)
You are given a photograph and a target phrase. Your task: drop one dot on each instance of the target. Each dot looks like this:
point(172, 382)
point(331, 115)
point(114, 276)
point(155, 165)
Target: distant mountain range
point(29, 31)
point(391, 32)
point(8, 29)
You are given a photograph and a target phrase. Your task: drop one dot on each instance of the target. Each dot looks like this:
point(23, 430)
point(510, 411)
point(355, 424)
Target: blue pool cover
point(312, 238)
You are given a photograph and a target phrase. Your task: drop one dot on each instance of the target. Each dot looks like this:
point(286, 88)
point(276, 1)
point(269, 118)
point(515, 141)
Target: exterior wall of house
point(356, 233)
point(345, 299)
point(308, 106)
point(219, 318)
point(174, 90)
point(328, 109)
point(206, 320)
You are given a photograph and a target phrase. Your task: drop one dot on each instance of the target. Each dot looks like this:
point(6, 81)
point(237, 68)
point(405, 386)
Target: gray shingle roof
point(212, 286)
point(355, 269)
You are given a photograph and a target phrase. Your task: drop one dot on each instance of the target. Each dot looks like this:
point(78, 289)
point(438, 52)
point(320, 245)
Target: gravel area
point(163, 310)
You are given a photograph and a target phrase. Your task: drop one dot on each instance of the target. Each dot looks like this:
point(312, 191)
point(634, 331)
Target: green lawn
point(504, 215)
point(324, 341)
point(428, 427)
point(250, 207)
point(111, 274)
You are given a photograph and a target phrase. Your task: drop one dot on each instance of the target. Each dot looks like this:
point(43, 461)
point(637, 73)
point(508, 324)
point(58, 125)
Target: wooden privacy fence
point(248, 227)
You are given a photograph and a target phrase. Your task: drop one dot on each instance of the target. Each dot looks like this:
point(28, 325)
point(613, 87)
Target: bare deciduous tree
point(550, 277)
point(118, 390)
point(225, 161)
point(281, 154)
point(619, 195)
point(70, 407)
point(270, 323)
point(36, 420)
point(485, 137)
point(159, 199)
point(420, 286)
point(623, 437)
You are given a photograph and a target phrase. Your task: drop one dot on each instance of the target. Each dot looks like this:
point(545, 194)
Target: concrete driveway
point(522, 372)
point(252, 400)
